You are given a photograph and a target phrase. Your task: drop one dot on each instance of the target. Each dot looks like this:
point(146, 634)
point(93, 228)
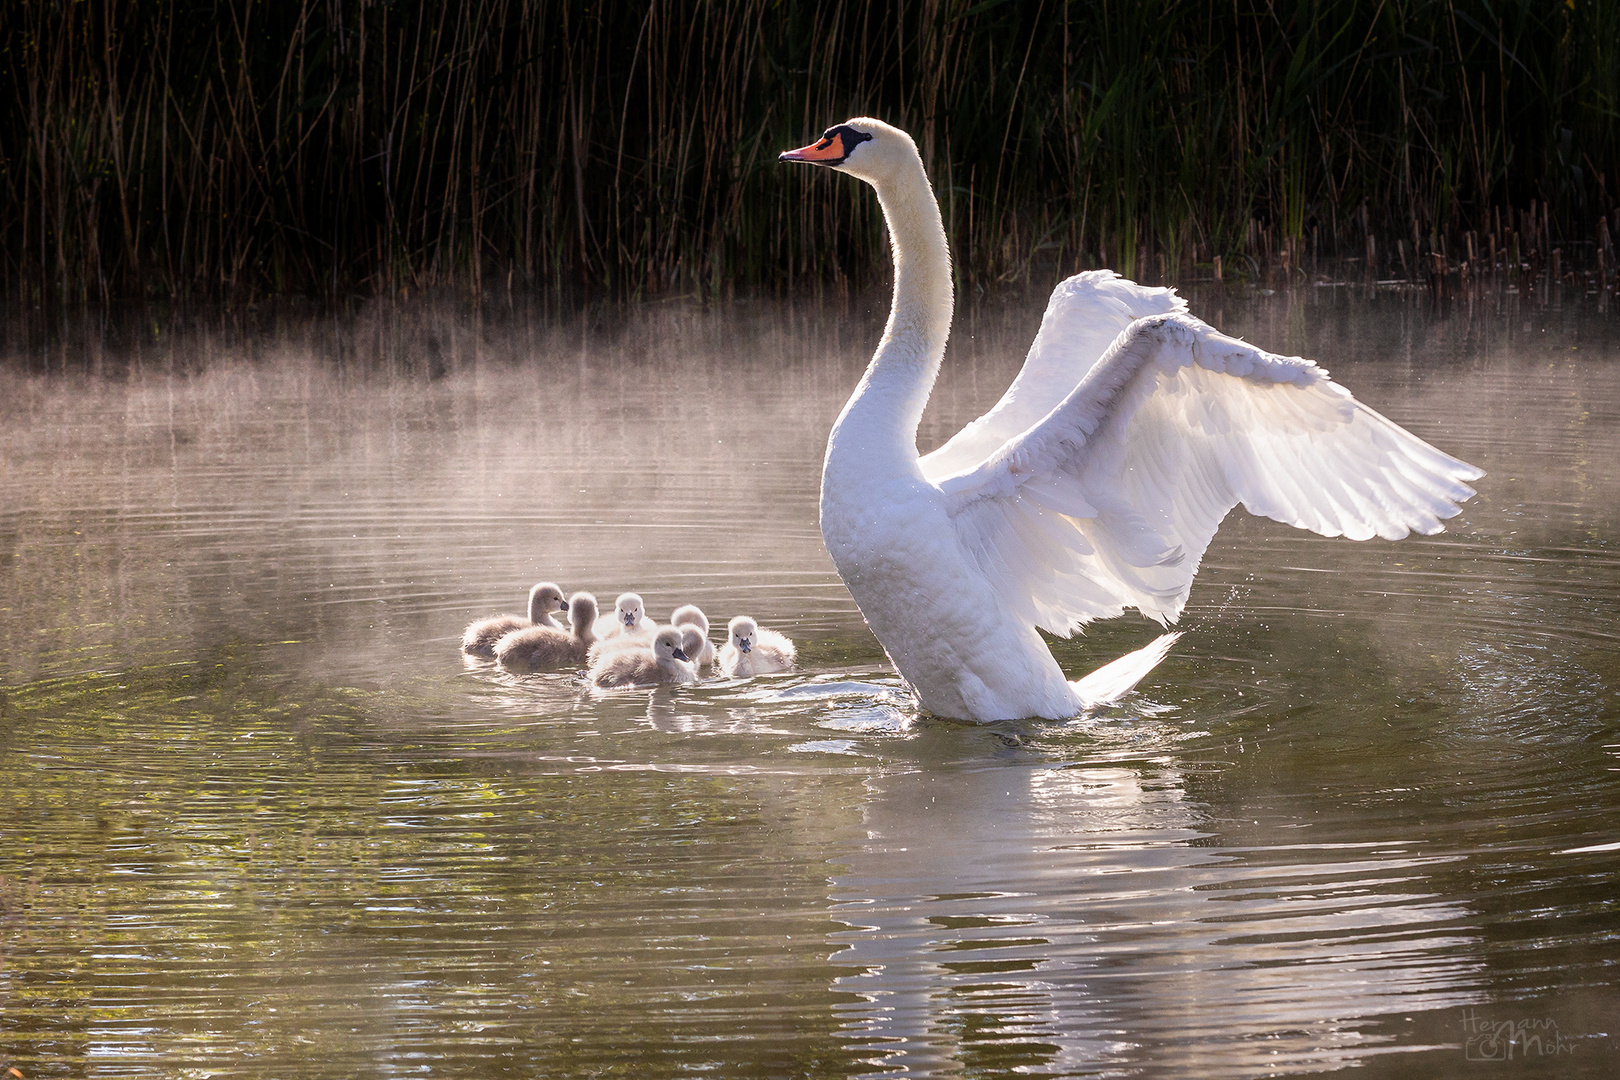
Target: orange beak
point(829, 150)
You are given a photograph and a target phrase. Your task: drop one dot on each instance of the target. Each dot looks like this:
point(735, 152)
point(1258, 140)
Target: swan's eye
point(832, 149)
point(852, 138)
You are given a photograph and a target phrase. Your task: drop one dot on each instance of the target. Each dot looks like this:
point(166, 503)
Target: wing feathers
point(1084, 316)
point(1061, 493)
point(1109, 497)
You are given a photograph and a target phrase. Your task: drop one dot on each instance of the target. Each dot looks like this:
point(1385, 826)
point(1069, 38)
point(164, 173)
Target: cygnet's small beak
point(680, 654)
point(744, 646)
point(629, 618)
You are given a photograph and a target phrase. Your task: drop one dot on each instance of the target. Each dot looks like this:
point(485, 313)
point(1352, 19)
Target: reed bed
point(244, 148)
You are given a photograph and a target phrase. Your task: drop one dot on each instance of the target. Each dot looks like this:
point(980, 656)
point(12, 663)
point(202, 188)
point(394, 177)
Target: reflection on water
point(260, 818)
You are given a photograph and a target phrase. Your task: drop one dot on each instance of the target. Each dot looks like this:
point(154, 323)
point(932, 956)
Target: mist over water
point(259, 817)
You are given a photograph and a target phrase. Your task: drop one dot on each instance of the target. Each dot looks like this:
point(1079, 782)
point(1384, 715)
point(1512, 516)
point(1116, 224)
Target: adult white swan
point(1094, 484)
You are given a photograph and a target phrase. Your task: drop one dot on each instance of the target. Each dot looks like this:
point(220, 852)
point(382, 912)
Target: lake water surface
point(259, 818)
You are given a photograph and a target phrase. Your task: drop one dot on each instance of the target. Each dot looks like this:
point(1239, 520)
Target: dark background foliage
point(238, 148)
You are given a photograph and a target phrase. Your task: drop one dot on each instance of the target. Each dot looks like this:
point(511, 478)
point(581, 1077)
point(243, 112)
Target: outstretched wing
point(1086, 313)
point(1110, 499)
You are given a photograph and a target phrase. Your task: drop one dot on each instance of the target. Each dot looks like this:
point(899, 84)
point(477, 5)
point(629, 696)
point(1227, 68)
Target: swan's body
point(750, 649)
point(663, 661)
point(480, 637)
point(545, 648)
point(629, 620)
point(692, 615)
point(1097, 481)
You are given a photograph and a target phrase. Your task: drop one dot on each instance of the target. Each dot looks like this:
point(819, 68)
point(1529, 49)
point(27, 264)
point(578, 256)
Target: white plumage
point(750, 649)
point(693, 643)
point(1095, 484)
point(629, 620)
point(692, 615)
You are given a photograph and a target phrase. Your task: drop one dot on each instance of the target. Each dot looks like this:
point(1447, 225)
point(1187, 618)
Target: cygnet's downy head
point(545, 598)
point(743, 631)
point(690, 614)
point(668, 644)
point(863, 147)
point(691, 640)
point(629, 606)
point(581, 610)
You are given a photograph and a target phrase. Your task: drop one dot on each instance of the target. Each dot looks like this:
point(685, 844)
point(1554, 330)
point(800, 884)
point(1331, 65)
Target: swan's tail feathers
point(1114, 680)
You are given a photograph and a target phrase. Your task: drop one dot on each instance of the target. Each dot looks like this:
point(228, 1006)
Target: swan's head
point(668, 644)
point(863, 147)
point(691, 640)
point(629, 606)
point(690, 613)
point(581, 610)
point(544, 599)
point(743, 631)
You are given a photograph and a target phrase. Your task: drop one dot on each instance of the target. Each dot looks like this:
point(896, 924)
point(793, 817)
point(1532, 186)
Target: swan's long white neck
point(877, 431)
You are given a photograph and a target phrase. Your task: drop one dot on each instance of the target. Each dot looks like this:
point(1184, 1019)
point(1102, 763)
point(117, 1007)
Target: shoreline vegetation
point(247, 149)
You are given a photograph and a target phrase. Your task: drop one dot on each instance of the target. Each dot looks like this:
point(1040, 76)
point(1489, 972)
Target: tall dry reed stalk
point(248, 147)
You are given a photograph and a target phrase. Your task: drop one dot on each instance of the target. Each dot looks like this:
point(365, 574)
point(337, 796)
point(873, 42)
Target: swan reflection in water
point(1061, 917)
